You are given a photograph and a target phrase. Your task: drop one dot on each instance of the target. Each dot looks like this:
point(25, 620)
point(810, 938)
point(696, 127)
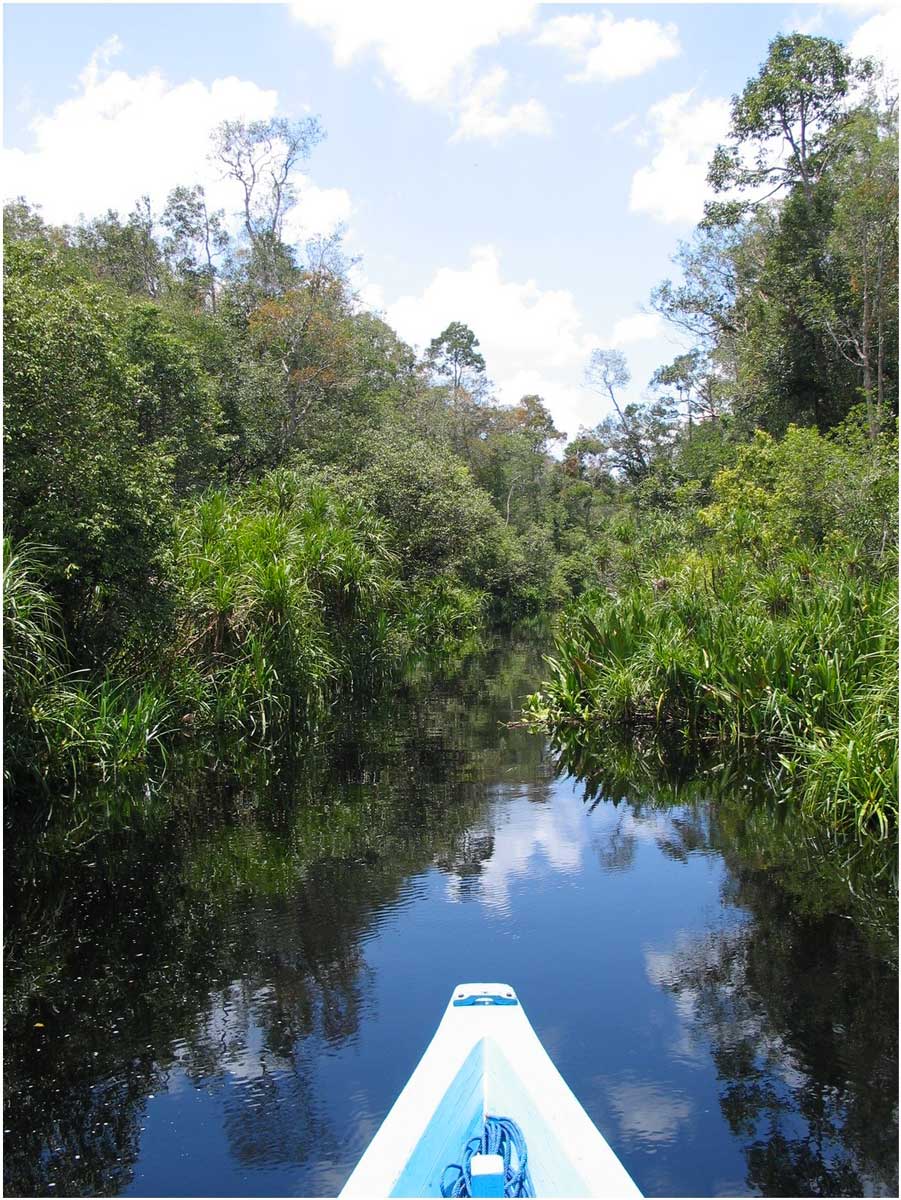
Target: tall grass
point(291, 593)
point(286, 595)
point(800, 661)
point(33, 647)
point(57, 725)
point(768, 618)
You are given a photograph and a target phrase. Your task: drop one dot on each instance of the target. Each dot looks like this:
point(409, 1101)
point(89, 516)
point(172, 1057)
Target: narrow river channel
point(228, 1001)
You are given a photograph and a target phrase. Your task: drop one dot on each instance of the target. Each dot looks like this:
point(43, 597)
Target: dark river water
point(226, 999)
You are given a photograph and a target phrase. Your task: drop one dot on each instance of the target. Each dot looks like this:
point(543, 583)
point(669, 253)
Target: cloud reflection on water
point(648, 1112)
point(527, 840)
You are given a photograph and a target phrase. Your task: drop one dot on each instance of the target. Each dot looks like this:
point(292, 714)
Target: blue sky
point(526, 168)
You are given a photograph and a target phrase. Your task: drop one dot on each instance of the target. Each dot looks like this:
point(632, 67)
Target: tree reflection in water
point(787, 1004)
point(221, 935)
point(220, 942)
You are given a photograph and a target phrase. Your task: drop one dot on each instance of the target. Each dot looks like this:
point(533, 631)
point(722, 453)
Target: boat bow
point(486, 1060)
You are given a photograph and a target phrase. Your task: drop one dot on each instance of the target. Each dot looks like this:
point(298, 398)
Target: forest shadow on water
point(224, 994)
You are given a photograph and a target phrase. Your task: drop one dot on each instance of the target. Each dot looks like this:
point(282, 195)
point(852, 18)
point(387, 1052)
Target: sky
point(528, 169)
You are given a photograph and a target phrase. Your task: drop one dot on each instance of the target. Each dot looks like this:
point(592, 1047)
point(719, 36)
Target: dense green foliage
point(747, 587)
point(769, 615)
point(233, 494)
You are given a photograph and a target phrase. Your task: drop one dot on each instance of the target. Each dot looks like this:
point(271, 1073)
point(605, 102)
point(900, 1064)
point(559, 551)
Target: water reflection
point(228, 998)
point(808, 1083)
point(521, 843)
point(647, 1112)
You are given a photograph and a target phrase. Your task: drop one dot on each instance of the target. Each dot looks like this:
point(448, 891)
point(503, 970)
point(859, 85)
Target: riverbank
point(768, 616)
point(280, 600)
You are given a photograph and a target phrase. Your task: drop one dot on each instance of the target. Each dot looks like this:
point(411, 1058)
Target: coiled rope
point(500, 1136)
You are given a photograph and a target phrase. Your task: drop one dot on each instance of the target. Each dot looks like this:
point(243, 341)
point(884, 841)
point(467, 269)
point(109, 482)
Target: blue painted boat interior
point(487, 1082)
point(508, 1095)
point(457, 1118)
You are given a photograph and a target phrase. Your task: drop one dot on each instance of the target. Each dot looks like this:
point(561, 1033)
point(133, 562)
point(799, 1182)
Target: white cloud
point(532, 340)
point(423, 47)
point(809, 22)
point(318, 210)
point(607, 49)
point(124, 136)
point(880, 38)
point(518, 323)
point(640, 327)
point(429, 51)
point(102, 57)
point(685, 132)
point(369, 293)
point(861, 6)
point(480, 116)
point(623, 125)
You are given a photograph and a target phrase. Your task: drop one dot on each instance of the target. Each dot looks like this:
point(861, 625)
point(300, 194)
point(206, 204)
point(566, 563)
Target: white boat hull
point(486, 1059)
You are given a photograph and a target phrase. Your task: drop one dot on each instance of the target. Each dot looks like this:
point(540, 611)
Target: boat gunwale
point(506, 1037)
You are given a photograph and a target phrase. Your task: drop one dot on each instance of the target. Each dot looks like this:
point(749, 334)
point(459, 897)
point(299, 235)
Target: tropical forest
point(304, 630)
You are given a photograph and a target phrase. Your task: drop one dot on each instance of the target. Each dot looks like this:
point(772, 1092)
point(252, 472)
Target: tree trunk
point(867, 364)
point(629, 433)
point(209, 258)
point(509, 494)
point(880, 338)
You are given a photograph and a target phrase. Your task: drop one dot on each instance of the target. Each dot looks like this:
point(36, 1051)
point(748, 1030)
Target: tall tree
point(196, 240)
point(303, 343)
point(860, 311)
point(784, 121)
point(454, 356)
point(125, 253)
point(453, 359)
point(607, 372)
point(509, 457)
point(262, 157)
point(22, 221)
point(683, 374)
point(703, 303)
point(80, 475)
point(764, 288)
